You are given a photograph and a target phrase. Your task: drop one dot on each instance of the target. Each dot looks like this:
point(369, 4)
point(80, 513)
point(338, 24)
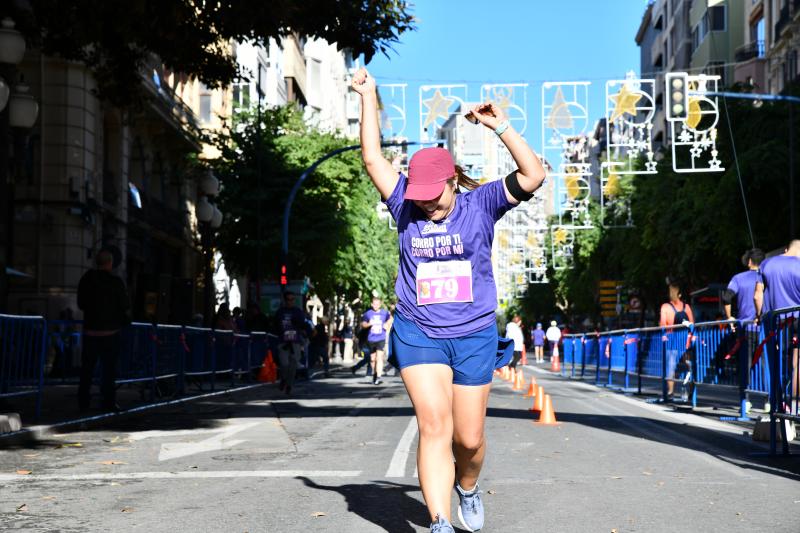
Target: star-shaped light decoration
point(560, 236)
point(560, 117)
point(438, 107)
point(696, 151)
point(650, 166)
point(625, 102)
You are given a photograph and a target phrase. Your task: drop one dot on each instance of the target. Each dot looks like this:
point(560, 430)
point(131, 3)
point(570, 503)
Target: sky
point(514, 41)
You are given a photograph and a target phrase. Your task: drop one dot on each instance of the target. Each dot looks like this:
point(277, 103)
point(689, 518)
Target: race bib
point(289, 335)
point(441, 282)
point(377, 326)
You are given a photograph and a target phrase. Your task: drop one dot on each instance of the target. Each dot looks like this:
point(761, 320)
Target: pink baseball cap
point(428, 171)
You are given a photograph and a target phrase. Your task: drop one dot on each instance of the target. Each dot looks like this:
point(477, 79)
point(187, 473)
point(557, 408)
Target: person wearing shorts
point(537, 336)
point(444, 338)
point(377, 320)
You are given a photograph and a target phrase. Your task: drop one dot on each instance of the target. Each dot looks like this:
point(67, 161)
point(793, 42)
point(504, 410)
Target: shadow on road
point(385, 504)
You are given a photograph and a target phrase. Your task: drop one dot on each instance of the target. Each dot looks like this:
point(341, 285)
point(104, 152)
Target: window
point(717, 16)
point(205, 107)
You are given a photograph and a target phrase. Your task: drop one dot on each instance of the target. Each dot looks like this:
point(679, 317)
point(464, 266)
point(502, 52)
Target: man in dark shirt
point(104, 301)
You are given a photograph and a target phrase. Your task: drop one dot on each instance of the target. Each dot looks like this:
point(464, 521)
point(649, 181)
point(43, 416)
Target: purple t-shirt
point(743, 285)
point(445, 283)
point(538, 337)
point(781, 278)
point(377, 321)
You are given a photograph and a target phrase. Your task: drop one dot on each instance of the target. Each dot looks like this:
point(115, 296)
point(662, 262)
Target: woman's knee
point(469, 441)
point(435, 426)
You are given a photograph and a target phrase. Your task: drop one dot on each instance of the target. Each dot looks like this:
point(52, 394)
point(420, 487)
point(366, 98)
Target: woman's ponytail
point(462, 180)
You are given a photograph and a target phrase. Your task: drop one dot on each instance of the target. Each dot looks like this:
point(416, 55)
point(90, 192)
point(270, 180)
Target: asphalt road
point(339, 456)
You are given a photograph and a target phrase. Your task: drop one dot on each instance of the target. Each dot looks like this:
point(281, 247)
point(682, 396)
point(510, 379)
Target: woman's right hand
point(363, 83)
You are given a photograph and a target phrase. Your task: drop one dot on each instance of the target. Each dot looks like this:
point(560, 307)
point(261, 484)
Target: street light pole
point(299, 183)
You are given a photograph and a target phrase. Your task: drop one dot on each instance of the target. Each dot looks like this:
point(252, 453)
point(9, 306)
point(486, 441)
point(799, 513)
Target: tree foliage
point(692, 227)
point(116, 39)
point(335, 235)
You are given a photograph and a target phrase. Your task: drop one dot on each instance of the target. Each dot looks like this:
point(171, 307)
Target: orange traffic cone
point(538, 401)
point(504, 373)
point(531, 388)
point(555, 364)
point(517, 381)
point(268, 372)
point(524, 359)
point(521, 377)
point(512, 376)
point(547, 417)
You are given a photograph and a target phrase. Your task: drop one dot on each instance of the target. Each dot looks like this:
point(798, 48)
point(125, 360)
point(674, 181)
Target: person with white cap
point(444, 338)
point(553, 335)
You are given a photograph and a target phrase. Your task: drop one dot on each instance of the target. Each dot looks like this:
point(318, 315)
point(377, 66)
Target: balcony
point(783, 21)
point(749, 51)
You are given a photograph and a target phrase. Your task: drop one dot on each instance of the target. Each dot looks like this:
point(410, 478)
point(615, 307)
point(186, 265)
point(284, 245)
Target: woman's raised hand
point(488, 114)
point(363, 83)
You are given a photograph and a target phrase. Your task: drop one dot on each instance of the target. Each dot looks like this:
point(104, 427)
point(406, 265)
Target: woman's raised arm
point(380, 171)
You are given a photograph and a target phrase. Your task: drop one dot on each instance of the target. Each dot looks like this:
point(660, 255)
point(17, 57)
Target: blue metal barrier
point(23, 344)
point(781, 344)
point(35, 352)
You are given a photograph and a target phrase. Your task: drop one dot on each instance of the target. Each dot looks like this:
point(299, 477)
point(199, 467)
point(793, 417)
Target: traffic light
point(284, 277)
point(677, 96)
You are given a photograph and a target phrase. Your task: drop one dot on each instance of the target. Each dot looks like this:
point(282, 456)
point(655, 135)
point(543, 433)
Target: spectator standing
point(779, 287)
point(318, 347)
point(553, 335)
point(675, 312)
point(291, 329)
point(742, 288)
point(537, 335)
point(255, 319)
point(514, 332)
point(224, 320)
point(104, 301)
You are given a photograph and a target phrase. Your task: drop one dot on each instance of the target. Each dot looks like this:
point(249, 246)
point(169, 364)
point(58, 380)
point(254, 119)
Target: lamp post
point(18, 109)
point(210, 219)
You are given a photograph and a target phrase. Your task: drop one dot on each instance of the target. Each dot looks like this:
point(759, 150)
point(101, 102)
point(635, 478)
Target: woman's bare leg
point(469, 442)
point(430, 387)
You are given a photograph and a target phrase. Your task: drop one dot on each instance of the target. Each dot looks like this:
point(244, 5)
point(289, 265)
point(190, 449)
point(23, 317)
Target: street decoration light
point(209, 184)
point(22, 109)
point(204, 211)
point(12, 43)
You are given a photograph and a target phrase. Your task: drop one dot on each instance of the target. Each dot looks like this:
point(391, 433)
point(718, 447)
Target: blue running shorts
point(472, 357)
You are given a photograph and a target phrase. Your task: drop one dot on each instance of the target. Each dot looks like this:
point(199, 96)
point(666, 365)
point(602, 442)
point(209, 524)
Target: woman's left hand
point(489, 114)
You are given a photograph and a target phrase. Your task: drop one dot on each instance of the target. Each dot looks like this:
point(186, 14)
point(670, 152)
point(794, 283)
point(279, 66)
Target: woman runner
point(444, 338)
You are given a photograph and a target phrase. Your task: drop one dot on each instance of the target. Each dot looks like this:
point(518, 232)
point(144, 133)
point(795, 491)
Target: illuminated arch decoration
point(512, 98)
point(565, 147)
point(630, 109)
point(393, 113)
point(615, 207)
point(437, 103)
point(694, 137)
point(562, 242)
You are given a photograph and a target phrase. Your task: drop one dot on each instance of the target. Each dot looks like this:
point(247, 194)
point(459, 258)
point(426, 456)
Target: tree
point(336, 237)
point(117, 39)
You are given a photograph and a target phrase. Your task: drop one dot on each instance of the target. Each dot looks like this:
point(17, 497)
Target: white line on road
point(397, 467)
point(197, 474)
point(174, 450)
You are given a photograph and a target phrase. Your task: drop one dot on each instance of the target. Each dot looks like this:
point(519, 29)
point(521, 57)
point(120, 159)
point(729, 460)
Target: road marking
point(174, 450)
point(196, 474)
point(397, 467)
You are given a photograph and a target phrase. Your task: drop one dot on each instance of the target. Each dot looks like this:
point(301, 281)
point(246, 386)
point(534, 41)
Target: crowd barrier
point(673, 361)
point(23, 342)
point(36, 353)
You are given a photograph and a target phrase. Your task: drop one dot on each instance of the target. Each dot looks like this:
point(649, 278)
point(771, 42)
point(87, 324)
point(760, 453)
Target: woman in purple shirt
point(444, 338)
